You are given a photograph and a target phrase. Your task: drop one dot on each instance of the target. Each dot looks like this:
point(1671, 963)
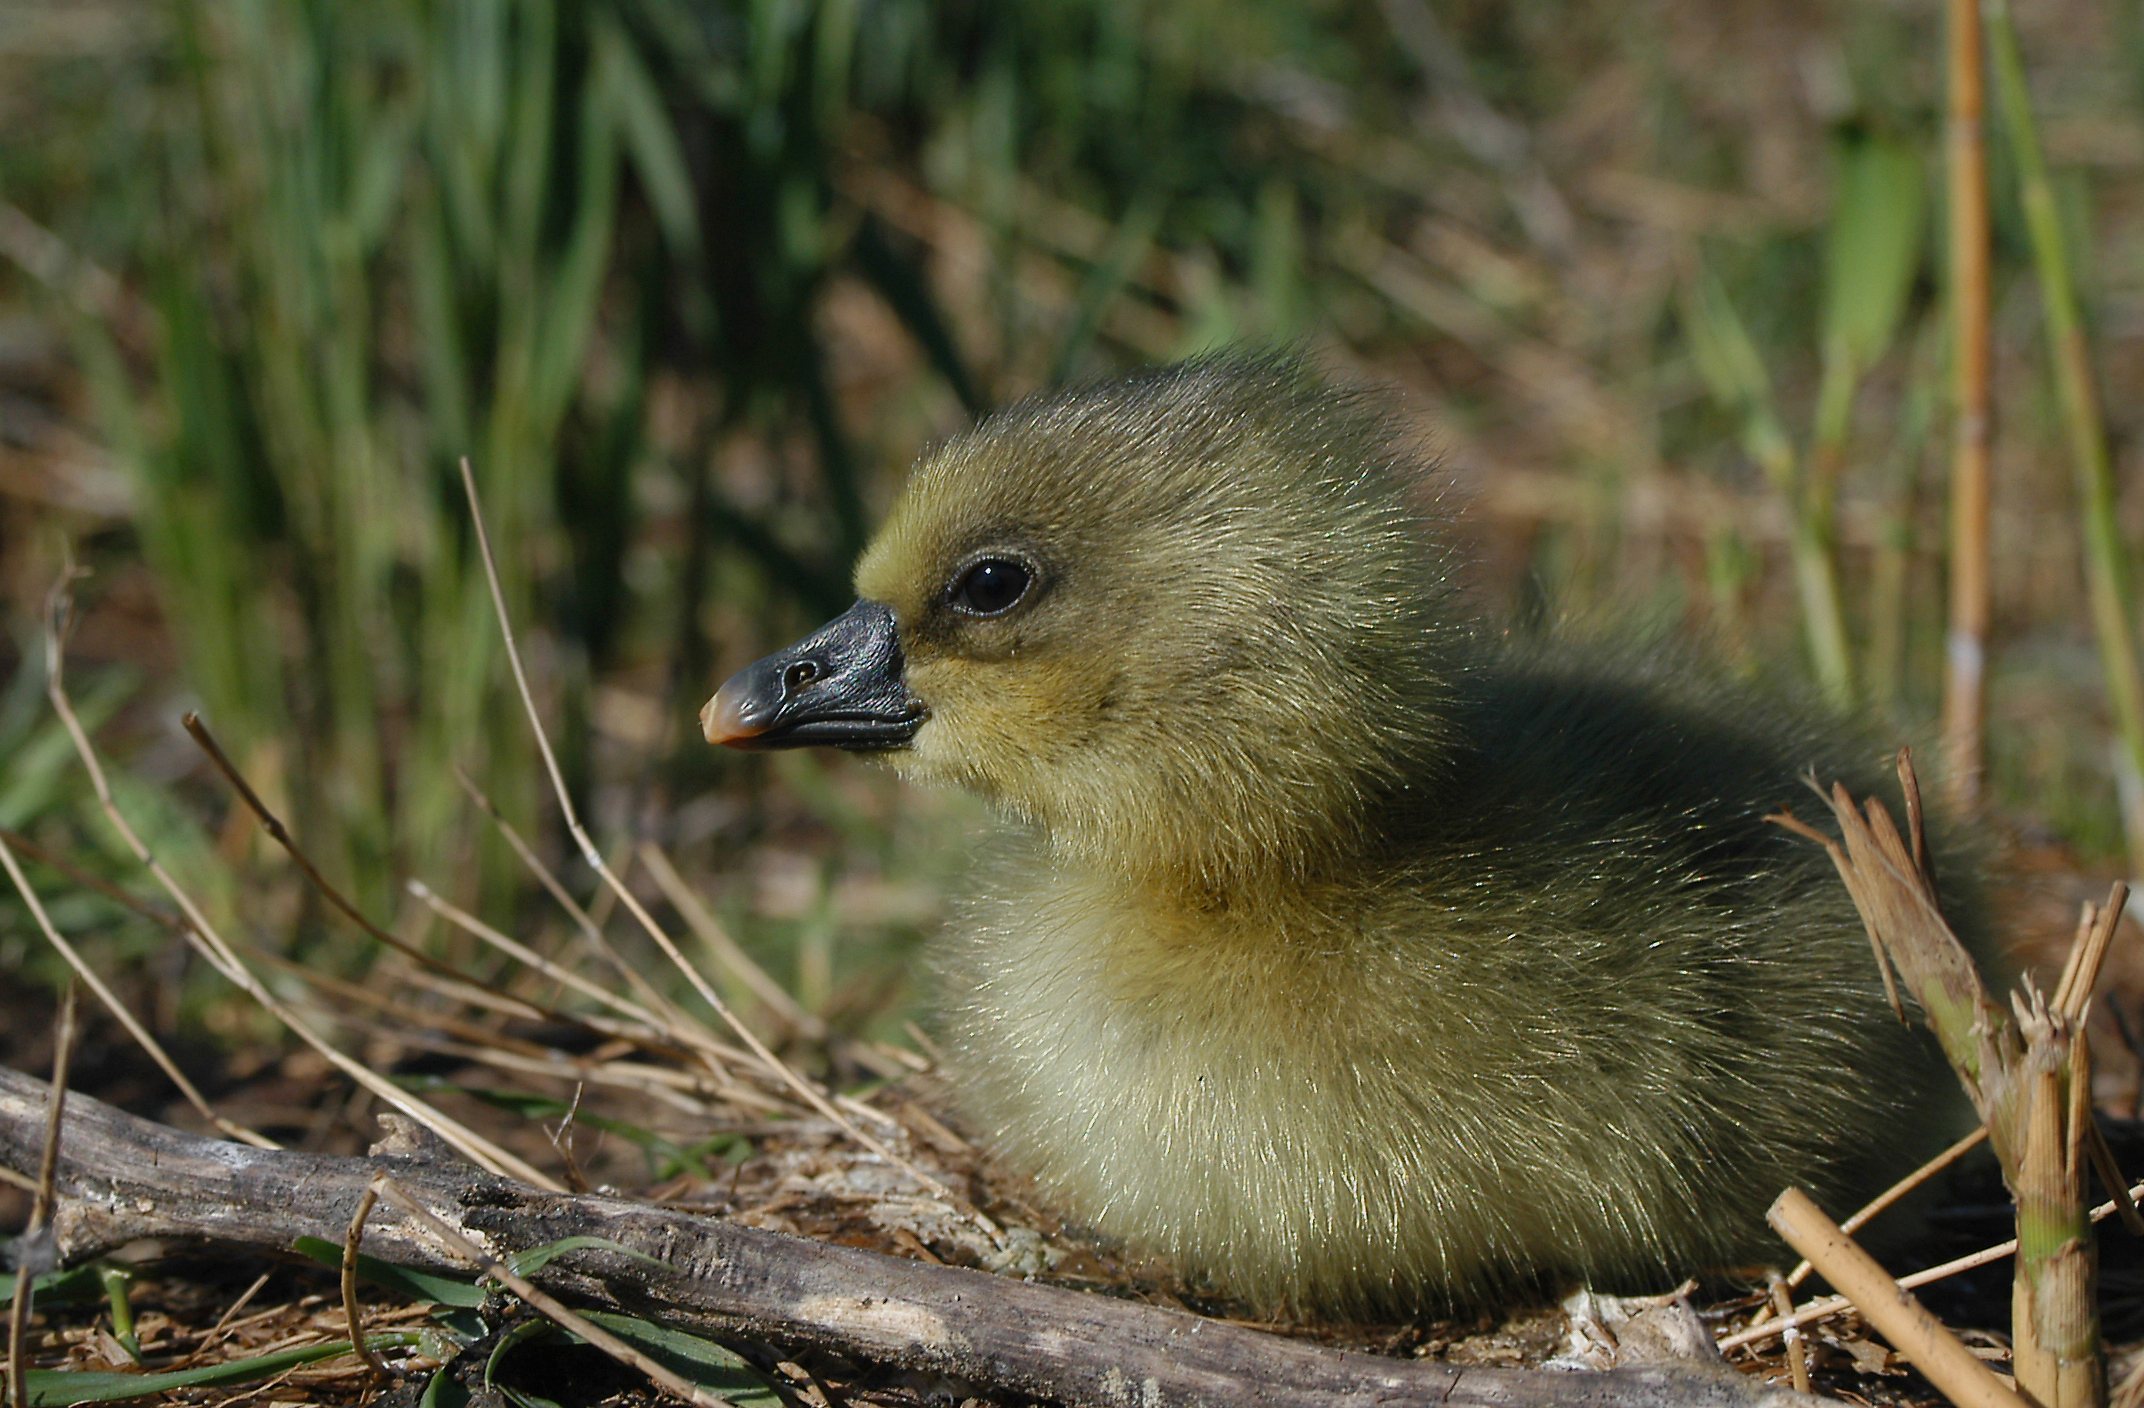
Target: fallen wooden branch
point(122, 1178)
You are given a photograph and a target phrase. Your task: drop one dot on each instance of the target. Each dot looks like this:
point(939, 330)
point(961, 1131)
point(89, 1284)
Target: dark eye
point(991, 587)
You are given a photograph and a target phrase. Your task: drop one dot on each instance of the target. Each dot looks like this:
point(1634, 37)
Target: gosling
point(1345, 953)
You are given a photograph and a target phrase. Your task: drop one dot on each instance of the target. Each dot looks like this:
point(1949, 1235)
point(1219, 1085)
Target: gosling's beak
point(842, 686)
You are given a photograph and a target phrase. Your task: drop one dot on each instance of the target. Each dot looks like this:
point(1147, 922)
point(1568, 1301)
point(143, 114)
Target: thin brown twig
point(34, 1247)
point(662, 940)
point(591, 933)
point(562, 1141)
point(274, 826)
point(90, 880)
point(215, 1332)
point(350, 1244)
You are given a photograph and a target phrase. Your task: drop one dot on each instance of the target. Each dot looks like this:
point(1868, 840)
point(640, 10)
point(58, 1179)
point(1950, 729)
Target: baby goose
point(1347, 955)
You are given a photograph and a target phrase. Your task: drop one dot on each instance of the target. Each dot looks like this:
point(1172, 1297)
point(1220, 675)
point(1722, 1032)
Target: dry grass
point(613, 1093)
point(1542, 358)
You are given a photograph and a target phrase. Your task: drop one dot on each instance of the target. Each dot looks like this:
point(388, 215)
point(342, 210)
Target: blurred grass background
point(693, 282)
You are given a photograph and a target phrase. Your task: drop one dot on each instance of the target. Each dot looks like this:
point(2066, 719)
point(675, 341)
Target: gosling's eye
point(991, 587)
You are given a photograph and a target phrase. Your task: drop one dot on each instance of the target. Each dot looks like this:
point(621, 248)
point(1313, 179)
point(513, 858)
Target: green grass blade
point(1873, 245)
point(2106, 556)
point(402, 1280)
point(57, 1388)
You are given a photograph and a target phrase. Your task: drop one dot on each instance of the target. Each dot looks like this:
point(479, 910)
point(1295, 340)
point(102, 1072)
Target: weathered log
point(123, 1178)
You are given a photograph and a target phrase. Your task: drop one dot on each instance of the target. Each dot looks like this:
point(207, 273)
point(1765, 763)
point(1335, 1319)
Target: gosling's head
point(1185, 623)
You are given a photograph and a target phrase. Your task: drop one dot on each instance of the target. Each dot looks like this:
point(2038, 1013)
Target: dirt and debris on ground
point(805, 1176)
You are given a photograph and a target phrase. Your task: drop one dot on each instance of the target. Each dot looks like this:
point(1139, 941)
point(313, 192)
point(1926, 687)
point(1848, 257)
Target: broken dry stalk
point(120, 1011)
point(1899, 1190)
point(350, 1245)
point(1765, 1326)
point(2028, 1072)
point(2054, 1308)
point(1797, 1352)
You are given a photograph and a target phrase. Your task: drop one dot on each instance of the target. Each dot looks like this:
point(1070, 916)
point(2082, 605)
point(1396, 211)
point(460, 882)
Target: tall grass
point(616, 253)
point(1872, 252)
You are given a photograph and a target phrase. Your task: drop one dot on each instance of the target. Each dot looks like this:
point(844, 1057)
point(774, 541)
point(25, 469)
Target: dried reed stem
point(1899, 1190)
point(1797, 1352)
point(591, 933)
point(1894, 1313)
point(1831, 1305)
point(703, 923)
point(2028, 1072)
point(118, 1009)
point(1965, 158)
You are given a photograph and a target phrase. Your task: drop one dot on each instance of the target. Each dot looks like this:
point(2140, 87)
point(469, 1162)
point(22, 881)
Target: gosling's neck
point(1202, 864)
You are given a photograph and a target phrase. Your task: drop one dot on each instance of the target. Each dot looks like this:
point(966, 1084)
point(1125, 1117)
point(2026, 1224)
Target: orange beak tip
point(718, 724)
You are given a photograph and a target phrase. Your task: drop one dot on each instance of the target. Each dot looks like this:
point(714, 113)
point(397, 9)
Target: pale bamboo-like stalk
point(1965, 158)
point(2054, 1318)
point(1894, 1314)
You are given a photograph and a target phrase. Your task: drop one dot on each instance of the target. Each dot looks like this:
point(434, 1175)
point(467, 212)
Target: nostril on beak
point(797, 676)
